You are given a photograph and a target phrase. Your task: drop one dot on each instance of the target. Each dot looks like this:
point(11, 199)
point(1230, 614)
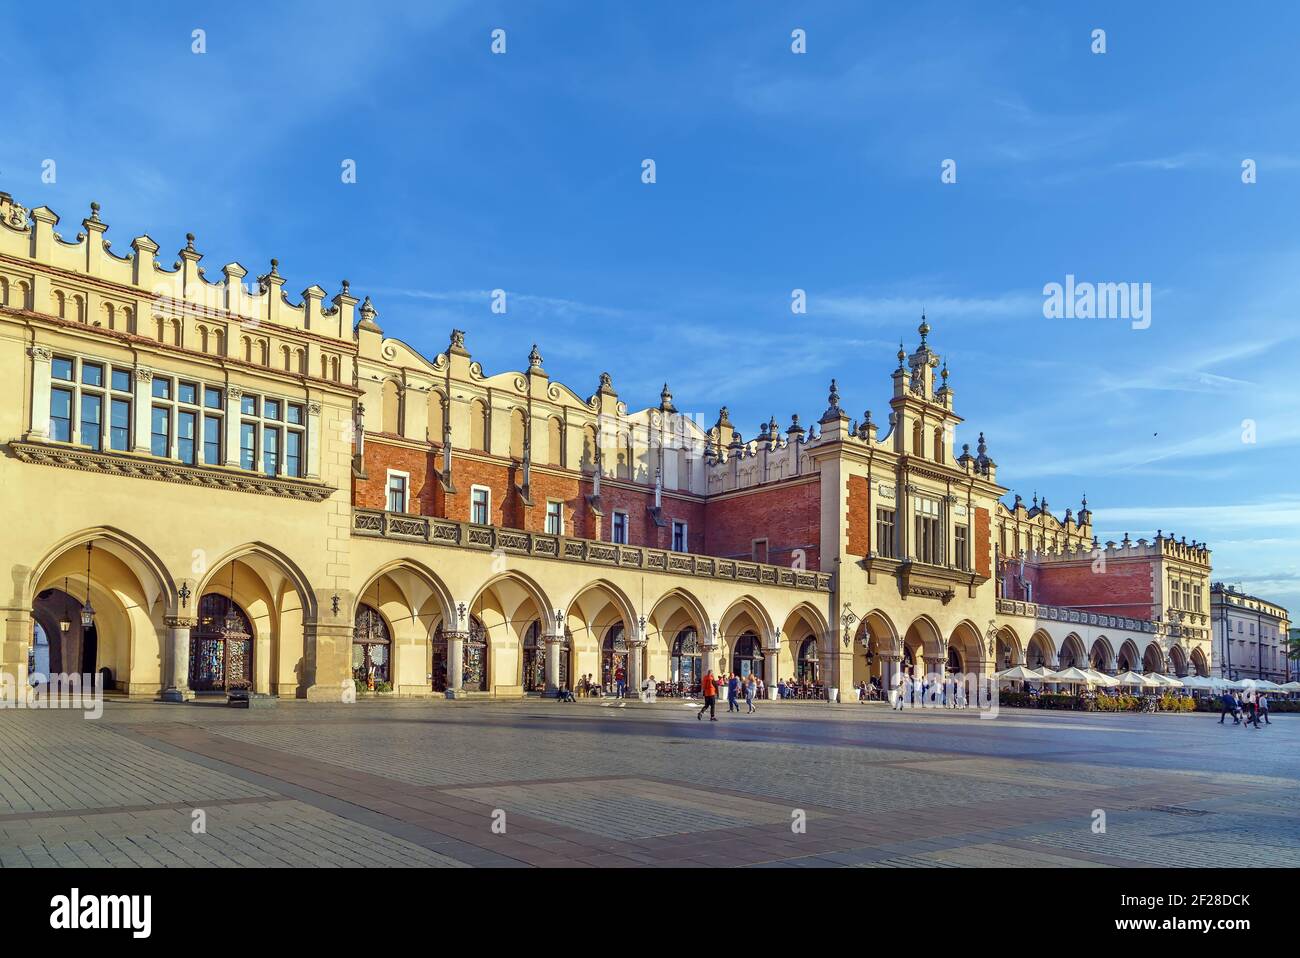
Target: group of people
point(949, 690)
point(1249, 707)
point(737, 687)
point(791, 689)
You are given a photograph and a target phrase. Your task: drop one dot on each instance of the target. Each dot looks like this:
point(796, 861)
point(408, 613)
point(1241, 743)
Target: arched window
point(918, 440)
point(747, 659)
point(954, 660)
point(436, 416)
point(517, 427)
point(808, 665)
point(371, 646)
point(938, 444)
point(221, 646)
point(685, 665)
point(588, 448)
point(478, 425)
point(613, 656)
point(392, 408)
point(474, 662)
point(555, 441)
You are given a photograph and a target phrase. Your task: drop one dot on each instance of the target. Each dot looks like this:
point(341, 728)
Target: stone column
point(554, 649)
point(141, 410)
point(234, 404)
point(42, 357)
point(709, 659)
point(328, 654)
point(769, 667)
point(455, 663)
point(315, 454)
point(635, 651)
point(178, 682)
point(17, 637)
point(890, 667)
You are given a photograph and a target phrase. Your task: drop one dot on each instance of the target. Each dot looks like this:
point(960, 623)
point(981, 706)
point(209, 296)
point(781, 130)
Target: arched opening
point(1153, 660)
point(1039, 654)
point(517, 428)
point(955, 661)
point(61, 644)
point(221, 646)
point(808, 663)
point(613, 657)
point(1128, 659)
point(1008, 650)
point(1072, 654)
point(534, 659)
point(1199, 665)
point(372, 648)
point(685, 663)
point(474, 659)
point(555, 441)
point(1099, 657)
point(747, 657)
point(1178, 661)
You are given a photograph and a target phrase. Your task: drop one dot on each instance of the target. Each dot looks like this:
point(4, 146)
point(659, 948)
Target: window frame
point(405, 477)
point(615, 526)
point(558, 516)
point(487, 504)
point(686, 536)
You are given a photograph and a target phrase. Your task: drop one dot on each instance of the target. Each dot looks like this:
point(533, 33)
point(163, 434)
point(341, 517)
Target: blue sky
point(775, 171)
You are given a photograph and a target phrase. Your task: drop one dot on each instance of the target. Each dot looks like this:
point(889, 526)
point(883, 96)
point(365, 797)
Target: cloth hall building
point(210, 483)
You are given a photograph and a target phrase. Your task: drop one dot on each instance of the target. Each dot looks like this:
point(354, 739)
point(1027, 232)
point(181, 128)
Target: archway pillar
point(554, 649)
point(178, 676)
point(328, 651)
point(16, 640)
point(769, 668)
point(635, 657)
point(890, 669)
point(455, 663)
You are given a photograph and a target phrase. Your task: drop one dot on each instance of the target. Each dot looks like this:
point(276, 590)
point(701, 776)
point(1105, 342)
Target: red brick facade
point(1125, 588)
point(786, 514)
point(859, 516)
point(983, 542)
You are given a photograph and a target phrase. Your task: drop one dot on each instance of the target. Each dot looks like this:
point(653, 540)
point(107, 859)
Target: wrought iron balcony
point(373, 523)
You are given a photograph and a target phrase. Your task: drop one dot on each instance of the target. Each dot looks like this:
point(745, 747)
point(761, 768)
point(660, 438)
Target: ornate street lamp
point(65, 623)
point(88, 611)
point(846, 622)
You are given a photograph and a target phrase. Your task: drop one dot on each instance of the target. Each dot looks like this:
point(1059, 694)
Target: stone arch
point(1100, 656)
point(591, 613)
point(669, 614)
point(965, 652)
point(746, 613)
point(130, 593)
point(437, 416)
point(518, 429)
point(1178, 661)
point(507, 605)
point(478, 425)
point(1040, 651)
point(1072, 653)
point(1153, 659)
point(1129, 659)
point(555, 441)
point(1199, 663)
point(876, 643)
point(392, 407)
point(923, 643)
point(415, 602)
point(1009, 650)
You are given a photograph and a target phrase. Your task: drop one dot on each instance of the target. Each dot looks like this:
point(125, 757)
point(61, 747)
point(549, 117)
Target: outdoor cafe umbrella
point(1291, 687)
point(1200, 682)
point(1264, 685)
point(1167, 680)
point(1043, 674)
point(1018, 674)
point(1136, 678)
point(1074, 676)
point(1101, 678)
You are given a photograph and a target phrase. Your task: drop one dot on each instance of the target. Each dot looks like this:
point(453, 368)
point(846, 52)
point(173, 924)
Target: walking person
point(1229, 707)
point(750, 687)
point(1251, 708)
point(733, 693)
point(710, 691)
point(1262, 706)
point(620, 680)
point(904, 690)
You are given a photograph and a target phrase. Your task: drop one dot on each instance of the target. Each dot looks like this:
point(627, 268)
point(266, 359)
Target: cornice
point(130, 466)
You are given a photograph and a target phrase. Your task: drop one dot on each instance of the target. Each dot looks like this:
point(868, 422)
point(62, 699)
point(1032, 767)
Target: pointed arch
point(747, 606)
point(143, 561)
point(260, 556)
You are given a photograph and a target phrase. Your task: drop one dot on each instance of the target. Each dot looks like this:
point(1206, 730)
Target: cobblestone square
point(420, 783)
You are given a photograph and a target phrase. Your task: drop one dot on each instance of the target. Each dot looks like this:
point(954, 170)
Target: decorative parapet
point(1056, 613)
point(373, 523)
point(125, 464)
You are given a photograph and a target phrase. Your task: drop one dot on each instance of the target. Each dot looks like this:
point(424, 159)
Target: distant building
point(1249, 635)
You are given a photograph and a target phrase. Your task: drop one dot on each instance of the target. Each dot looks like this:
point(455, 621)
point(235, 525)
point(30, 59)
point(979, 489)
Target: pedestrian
point(903, 691)
point(710, 691)
point(1262, 705)
point(760, 691)
point(780, 688)
point(750, 687)
point(733, 693)
point(1229, 707)
point(653, 690)
point(620, 680)
point(1252, 708)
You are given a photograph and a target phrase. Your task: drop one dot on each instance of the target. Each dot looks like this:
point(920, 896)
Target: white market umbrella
point(1264, 685)
point(1199, 682)
point(1042, 674)
point(1101, 678)
point(1074, 676)
point(1168, 681)
point(1018, 674)
point(1291, 687)
point(1135, 678)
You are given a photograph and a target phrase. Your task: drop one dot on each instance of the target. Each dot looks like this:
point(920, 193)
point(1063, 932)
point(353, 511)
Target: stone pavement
point(434, 783)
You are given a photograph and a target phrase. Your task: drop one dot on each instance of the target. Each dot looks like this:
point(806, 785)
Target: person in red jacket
point(710, 690)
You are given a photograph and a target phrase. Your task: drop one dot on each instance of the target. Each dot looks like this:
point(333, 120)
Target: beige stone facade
point(245, 485)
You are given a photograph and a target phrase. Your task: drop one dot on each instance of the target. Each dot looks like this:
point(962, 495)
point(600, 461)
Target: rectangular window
point(271, 451)
point(248, 405)
point(122, 380)
point(211, 397)
point(679, 537)
point(92, 413)
point(187, 393)
point(161, 431)
point(271, 409)
point(927, 547)
point(758, 550)
point(962, 556)
point(119, 435)
point(212, 440)
point(555, 518)
point(397, 491)
point(618, 528)
point(61, 368)
point(247, 445)
point(480, 505)
point(61, 415)
point(293, 454)
point(185, 426)
point(162, 388)
point(885, 533)
point(293, 414)
point(92, 374)
point(1173, 594)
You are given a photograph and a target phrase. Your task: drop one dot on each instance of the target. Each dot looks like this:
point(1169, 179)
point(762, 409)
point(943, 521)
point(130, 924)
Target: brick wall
point(1123, 589)
point(858, 536)
point(380, 456)
point(983, 542)
point(788, 515)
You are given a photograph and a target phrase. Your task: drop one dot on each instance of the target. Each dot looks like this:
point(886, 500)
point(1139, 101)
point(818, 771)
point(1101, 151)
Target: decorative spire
point(94, 212)
point(347, 288)
point(944, 374)
point(368, 314)
point(666, 399)
point(902, 356)
point(983, 448)
point(534, 358)
point(923, 329)
point(275, 271)
point(833, 410)
point(189, 242)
